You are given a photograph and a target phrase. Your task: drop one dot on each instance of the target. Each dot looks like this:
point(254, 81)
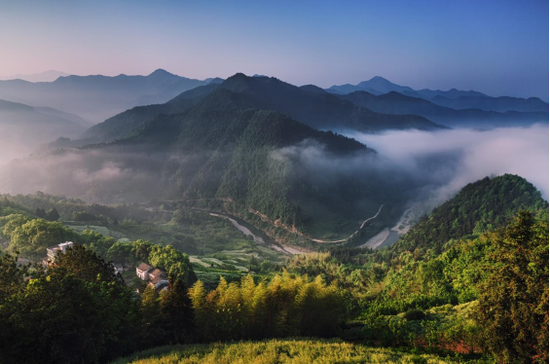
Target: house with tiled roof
point(143, 270)
point(158, 278)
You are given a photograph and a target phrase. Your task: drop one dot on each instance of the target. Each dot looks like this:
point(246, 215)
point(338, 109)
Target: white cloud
point(521, 151)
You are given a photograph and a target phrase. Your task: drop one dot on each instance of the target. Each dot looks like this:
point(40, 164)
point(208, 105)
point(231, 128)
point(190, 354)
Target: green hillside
point(483, 205)
point(277, 351)
point(481, 299)
point(129, 121)
point(238, 155)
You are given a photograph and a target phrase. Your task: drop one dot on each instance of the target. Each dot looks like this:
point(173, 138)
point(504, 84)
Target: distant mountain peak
point(238, 75)
point(160, 73)
point(378, 78)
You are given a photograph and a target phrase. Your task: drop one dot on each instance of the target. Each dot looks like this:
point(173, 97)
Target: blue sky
point(497, 47)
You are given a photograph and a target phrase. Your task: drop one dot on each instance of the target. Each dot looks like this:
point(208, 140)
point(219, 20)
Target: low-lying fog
point(442, 161)
point(521, 151)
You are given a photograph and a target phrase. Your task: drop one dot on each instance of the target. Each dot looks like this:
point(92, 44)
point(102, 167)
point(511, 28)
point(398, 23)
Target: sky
point(495, 47)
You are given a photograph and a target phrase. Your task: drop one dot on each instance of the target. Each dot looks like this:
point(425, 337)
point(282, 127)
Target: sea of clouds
point(465, 155)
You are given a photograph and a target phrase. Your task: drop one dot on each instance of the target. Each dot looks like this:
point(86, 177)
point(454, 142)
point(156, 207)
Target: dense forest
point(465, 293)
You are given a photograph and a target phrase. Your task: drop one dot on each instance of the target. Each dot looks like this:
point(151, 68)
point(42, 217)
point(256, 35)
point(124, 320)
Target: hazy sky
point(497, 47)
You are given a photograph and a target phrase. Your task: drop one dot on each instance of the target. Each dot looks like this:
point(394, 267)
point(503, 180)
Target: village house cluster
point(156, 277)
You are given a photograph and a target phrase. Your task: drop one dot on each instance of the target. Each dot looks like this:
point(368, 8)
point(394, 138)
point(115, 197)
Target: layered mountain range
point(23, 127)
point(308, 104)
point(220, 150)
point(256, 147)
point(98, 97)
point(397, 103)
point(453, 98)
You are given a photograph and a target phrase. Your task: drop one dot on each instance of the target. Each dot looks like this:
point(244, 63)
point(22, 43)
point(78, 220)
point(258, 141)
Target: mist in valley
point(427, 167)
point(450, 159)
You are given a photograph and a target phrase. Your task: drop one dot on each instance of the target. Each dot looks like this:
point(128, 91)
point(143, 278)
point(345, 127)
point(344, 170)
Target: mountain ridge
point(452, 98)
point(318, 109)
point(98, 97)
point(396, 103)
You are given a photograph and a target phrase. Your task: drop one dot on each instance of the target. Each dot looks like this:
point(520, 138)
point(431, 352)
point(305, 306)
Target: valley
point(250, 210)
point(274, 182)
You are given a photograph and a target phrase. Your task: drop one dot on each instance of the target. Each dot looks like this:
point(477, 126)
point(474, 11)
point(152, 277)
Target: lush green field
point(277, 351)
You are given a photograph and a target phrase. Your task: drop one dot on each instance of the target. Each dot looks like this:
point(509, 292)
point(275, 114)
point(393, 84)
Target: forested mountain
point(319, 110)
point(397, 103)
point(97, 97)
point(480, 206)
point(126, 123)
point(220, 149)
point(260, 160)
point(453, 98)
point(309, 105)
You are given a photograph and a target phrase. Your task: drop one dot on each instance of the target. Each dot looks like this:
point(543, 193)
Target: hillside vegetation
point(218, 155)
point(480, 206)
point(481, 298)
point(299, 351)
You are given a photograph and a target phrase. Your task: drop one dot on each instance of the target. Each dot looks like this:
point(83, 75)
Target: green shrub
point(412, 315)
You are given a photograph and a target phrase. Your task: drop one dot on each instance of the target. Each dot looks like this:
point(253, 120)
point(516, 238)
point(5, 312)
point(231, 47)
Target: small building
point(143, 270)
point(53, 250)
point(158, 279)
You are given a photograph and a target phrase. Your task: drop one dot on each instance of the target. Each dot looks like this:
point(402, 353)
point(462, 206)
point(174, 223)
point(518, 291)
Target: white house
point(52, 250)
point(143, 270)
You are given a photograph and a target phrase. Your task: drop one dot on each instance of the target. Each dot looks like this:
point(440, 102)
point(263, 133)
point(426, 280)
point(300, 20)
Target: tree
point(174, 262)
point(12, 222)
point(95, 241)
point(86, 265)
point(53, 215)
point(141, 250)
point(152, 332)
point(120, 253)
point(177, 312)
point(41, 213)
point(73, 312)
point(12, 277)
point(34, 236)
point(513, 302)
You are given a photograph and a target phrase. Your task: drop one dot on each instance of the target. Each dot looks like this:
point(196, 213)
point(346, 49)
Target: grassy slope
point(276, 351)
